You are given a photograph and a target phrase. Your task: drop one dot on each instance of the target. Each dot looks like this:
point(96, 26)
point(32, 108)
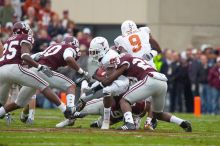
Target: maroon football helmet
point(72, 41)
point(22, 28)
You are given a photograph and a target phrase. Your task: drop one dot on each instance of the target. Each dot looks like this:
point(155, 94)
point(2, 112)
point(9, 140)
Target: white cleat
point(105, 125)
point(65, 123)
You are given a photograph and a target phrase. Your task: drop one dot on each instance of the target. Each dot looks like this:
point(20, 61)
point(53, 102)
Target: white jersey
point(137, 44)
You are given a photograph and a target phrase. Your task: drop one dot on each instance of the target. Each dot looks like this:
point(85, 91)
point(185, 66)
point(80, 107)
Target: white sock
point(176, 120)
point(2, 111)
point(31, 114)
point(148, 120)
point(62, 107)
point(70, 99)
point(128, 117)
point(107, 112)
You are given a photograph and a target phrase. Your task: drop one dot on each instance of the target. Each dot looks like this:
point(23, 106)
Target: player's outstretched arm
point(25, 55)
point(71, 62)
point(115, 75)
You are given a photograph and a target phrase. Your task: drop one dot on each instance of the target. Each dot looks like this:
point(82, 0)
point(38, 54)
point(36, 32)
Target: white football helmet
point(110, 59)
point(128, 27)
point(98, 48)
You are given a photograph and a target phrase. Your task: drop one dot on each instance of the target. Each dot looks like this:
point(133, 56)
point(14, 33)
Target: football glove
point(46, 70)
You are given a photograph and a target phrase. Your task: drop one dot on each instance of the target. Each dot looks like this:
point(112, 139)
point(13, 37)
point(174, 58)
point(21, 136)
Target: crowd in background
point(193, 72)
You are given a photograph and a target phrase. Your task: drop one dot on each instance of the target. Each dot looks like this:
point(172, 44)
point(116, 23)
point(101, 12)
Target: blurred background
point(188, 31)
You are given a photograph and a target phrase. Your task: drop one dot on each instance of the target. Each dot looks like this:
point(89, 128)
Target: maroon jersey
point(137, 67)
point(53, 56)
point(12, 49)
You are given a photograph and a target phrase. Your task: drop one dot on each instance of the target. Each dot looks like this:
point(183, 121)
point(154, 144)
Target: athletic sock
point(128, 117)
point(31, 114)
point(2, 111)
point(62, 107)
point(70, 100)
point(148, 120)
point(107, 112)
point(176, 120)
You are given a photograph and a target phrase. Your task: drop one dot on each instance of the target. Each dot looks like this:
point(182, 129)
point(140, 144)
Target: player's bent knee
point(123, 100)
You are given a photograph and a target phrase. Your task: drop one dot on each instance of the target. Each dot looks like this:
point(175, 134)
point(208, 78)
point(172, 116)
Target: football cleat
point(127, 126)
point(78, 115)
point(8, 119)
point(95, 124)
point(68, 113)
point(30, 121)
point(186, 126)
point(65, 123)
point(23, 117)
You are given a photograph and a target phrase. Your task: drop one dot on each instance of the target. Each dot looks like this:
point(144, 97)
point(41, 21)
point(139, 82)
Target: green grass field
point(206, 131)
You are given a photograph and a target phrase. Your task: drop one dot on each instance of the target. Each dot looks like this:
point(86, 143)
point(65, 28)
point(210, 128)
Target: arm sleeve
point(27, 39)
point(69, 52)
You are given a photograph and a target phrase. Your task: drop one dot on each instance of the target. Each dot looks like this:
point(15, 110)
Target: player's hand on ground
point(46, 70)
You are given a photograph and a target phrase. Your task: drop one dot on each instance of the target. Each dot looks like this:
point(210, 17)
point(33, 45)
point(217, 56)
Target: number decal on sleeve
point(52, 50)
point(12, 51)
point(135, 42)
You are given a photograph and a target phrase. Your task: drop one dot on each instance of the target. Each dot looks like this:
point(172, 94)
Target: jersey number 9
point(135, 42)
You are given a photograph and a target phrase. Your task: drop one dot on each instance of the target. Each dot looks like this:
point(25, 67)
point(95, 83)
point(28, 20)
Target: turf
point(206, 131)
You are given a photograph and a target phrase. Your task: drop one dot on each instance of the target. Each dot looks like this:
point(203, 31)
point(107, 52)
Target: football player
point(55, 56)
point(137, 42)
point(96, 107)
point(149, 83)
point(17, 49)
point(98, 48)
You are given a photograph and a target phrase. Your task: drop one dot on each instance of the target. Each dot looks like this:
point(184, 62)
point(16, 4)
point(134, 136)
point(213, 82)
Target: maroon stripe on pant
point(27, 72)
point(93, 101)
point(64, 77)
point(135, 87)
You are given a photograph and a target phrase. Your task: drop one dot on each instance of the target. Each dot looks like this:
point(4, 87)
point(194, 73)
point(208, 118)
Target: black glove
point(80, 105)
point(83, 76)
point(46, 70)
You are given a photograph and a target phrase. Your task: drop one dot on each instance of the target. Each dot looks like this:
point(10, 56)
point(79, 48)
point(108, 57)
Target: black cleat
point(127, 126)
point(23, 117)
point(186, 126)
point(68, 113)
point(95, 124)
point(77, 115)
point(8, 119)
